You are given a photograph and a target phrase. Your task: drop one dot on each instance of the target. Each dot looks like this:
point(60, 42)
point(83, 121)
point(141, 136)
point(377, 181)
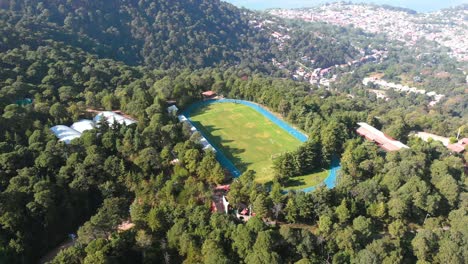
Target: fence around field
point(227, 164)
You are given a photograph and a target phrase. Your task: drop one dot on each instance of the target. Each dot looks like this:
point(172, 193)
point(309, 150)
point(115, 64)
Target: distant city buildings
point(449, 28)
point(400, 88)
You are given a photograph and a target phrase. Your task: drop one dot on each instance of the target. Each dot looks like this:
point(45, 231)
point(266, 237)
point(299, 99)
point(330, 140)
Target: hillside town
point(305, 69)
point(435, 97)
point(448, 27)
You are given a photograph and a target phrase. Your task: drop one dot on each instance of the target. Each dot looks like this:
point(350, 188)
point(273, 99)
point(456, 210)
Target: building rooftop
point(112, 117)
point(459, 148)
point(182, 118)
point(373, 134)
point(65, 134)
point(209, 93)
point(426, 136)
point(83, 125)
point(172, 109)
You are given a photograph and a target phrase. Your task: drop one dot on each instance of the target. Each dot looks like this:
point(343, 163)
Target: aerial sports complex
point(246, 136)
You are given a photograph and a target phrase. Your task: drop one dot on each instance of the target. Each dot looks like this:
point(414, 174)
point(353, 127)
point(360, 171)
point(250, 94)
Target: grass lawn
point(245, 136)
point(301, 182)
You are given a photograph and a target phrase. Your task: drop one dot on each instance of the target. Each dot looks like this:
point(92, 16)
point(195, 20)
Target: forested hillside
point(50, 189)
point(160, 33)
point(71, 58)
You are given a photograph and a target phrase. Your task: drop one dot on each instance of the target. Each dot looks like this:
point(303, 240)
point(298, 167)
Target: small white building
point(182, 118)
point(172, 110)
point(206, 145)
point(204, 142)
point(209, 147)
point(225, 204)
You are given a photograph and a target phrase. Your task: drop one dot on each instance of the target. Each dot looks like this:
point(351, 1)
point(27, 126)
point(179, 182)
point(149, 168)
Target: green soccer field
point(245, 136)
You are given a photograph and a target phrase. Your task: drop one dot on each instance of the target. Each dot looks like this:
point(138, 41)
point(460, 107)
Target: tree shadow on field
point(200, 110)
point(292, 182)
point(232, 154)
point(298, 181)
point(221, 144)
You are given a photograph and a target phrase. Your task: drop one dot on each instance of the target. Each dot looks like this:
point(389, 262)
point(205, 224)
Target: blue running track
point(330, 181)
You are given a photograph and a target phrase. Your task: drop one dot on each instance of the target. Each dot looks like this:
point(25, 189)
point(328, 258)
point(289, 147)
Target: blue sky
point(418, 5)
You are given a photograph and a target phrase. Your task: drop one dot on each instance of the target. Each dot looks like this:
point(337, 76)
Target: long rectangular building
point(426, 136)
point(373, 134)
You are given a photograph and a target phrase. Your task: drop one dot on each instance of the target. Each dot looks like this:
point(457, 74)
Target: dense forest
point(403, 207)
point(158, 33)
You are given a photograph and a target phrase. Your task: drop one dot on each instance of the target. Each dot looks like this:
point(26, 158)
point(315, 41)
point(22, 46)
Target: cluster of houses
point(402, 88)
point(172, 110)
point(326, 76)
point(318, 76)
point(220, 204)
point(67, 134)
point(279, 37)
point(447, 27)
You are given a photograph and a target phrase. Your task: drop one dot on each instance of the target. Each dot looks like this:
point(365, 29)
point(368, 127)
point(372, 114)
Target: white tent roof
point(65, 134)
point(83, 125)
point(112, 117)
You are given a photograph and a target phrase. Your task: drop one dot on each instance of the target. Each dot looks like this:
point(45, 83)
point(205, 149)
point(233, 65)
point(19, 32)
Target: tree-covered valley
point(73, 57)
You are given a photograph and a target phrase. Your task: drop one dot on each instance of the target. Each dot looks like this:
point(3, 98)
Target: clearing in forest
point(246, 137)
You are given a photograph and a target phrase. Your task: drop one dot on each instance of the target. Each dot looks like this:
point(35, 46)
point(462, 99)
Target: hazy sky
point(418, 5)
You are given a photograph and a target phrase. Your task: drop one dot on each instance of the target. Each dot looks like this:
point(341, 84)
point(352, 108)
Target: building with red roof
point(209, 94)
point(459, 147)
point(383, 141)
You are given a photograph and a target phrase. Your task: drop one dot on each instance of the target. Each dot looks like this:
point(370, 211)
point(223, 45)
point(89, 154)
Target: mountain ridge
point(149, 32)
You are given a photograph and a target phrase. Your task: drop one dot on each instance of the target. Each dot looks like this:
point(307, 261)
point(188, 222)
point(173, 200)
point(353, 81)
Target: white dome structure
point(83, 125)
point(65, 134)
